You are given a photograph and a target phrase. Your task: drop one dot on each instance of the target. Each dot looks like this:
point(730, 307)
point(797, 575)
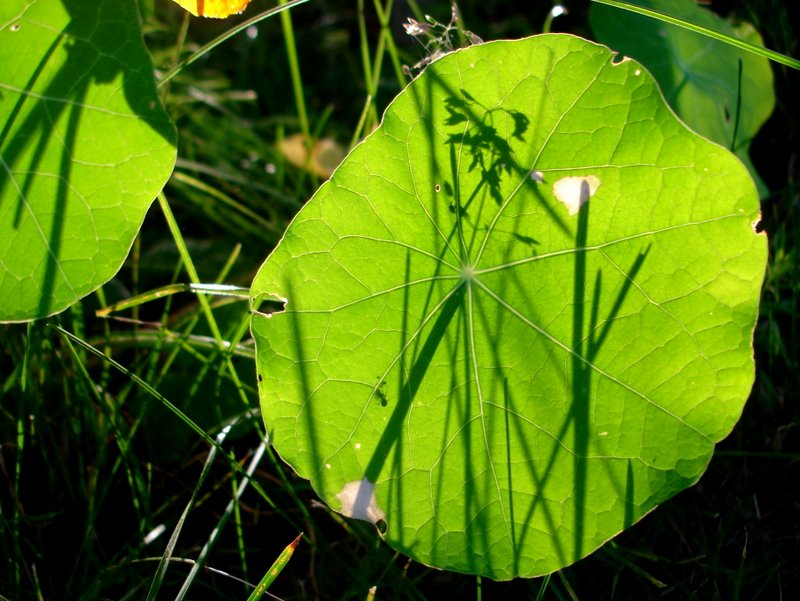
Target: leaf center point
point(468, 272)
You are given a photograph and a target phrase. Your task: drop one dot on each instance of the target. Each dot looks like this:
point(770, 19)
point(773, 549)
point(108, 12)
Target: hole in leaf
point(267, 304)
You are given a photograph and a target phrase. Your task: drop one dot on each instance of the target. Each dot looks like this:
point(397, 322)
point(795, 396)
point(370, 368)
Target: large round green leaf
point(519, 316)
point(85, 146)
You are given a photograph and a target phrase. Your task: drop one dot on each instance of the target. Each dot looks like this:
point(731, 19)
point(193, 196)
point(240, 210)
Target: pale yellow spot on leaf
point(358, 501)
point(574, 191)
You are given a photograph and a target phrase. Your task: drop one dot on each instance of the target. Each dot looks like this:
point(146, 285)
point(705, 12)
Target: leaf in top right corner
point(698, 75)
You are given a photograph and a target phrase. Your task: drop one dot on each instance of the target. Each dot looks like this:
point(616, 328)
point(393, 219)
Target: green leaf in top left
point(85, 147)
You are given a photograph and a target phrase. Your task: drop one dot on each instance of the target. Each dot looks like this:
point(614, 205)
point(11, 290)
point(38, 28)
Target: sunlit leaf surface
point(520, 313)
point(85, 146)
point(700, 76)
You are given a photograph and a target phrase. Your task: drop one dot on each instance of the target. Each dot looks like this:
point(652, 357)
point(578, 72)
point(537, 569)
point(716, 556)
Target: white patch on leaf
point(358, 501)
point(574, 191)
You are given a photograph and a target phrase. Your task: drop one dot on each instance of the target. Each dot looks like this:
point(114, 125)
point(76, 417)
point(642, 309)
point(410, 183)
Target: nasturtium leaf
point(217, 9)
point(698, 75)
point(85, 146)
point(500, 370)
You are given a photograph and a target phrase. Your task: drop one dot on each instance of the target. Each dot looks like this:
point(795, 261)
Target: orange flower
point(218, 9)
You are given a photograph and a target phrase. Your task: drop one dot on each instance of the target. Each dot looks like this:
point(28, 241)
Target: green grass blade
point(275, 569)
point(215, 534)
point(294, 70)
point(158, 579)
point(252, 218)
point(238, 524)
point(209, 289)
point(123, 436)
point(172, 407)
point(384, 16)
point(543, 588)
point(195, 279)
point(16, 516)
point(188, 264)
point(167, 339)
point(274, 193)
point(149, 389)
point(743, 45)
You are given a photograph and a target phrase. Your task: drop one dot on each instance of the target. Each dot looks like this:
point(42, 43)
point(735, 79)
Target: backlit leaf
point(85, 146)
point(699, 76)
point(519, 315)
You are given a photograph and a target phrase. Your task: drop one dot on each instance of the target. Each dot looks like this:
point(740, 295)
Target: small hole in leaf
point(437, 188)
point(15, 27)
point(267, 304)
point(381, 526)
point(758, 226)
point(617, 58)
point(260, 378)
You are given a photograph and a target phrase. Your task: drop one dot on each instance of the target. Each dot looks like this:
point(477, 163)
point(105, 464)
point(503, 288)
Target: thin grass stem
point(212, 539)
point(250, 215)
point(296, 76)
point(193, 276)
point(171, 407)
point(163, 564)
point(225, 290)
